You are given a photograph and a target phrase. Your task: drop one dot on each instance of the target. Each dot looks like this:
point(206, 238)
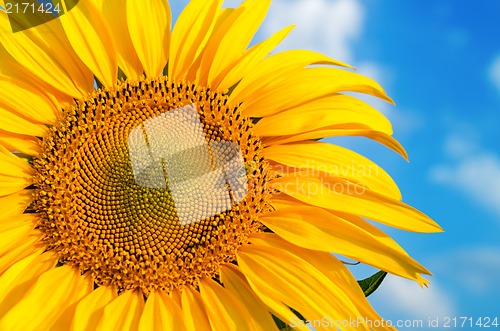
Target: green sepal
point(370, 284)
point(282, 326)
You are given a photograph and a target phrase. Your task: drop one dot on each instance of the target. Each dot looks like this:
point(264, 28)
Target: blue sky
point(440, 61)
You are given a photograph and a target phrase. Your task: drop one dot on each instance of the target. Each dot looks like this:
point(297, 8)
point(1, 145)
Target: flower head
point(189, 190)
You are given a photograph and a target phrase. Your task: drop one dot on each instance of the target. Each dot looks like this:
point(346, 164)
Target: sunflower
point(175, 179)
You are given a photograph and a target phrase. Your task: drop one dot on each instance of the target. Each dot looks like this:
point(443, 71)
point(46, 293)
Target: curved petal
point(228, 43)
point(338, 195)
point(190, 34)
point(123, 313)
point(20, 124)
point(12, 71)
point(302, 284)
point(352, 129)
point(224, 311)
point(149, 27)
point(46, 52)
point(161, 313)
point(194, 74)
point(15, 229)
point(336, 161)
point(91, 39)
point(235, 282)
point(16, 280)
point(272, 70)
point(336, 109)
point(15, 174)
point(25, 246)
point(317, 229)
point(20, 143)
point(89, 310)
point(249, 60)
point(23, 100)
point(15, 204)
point(45, 301)
point(115, 15)
point(296, 88)
point(193, 311)
point(335, 271)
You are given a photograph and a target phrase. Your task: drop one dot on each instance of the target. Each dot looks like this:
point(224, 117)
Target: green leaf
point(370, 284)
point(282, 326)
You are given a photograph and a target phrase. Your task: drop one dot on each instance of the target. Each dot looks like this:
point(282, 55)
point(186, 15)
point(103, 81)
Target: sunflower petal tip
point(422, 281)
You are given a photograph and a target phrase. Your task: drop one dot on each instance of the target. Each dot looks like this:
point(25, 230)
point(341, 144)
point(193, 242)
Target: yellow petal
point(336, 161)
point(15, 229)
point(337, 109)
point(149, 27)
point(229, 42)
point(41, 306)
point(190, 34)
point(300, 284)
point(115, 15)
point(352, 129)
point(308, 84)
point(272, 70)
point(235, 282)
point(123, 313)
point(46, 52)
point(338, 277)
point(249, 60)
point(12, 71)
point(338, 195)
point(91, 39)
point(25, 246)
point(176, 296)
point(15, 204)
point(193, 310)
point(21, 276)
point(161, 313)
point(194, 73)
point(23, 100)
point(89, 310)
point(223, 309)
point(317, 229)
point(15, 174)
point(20, 143)
point(66, 317)
point(20, 124)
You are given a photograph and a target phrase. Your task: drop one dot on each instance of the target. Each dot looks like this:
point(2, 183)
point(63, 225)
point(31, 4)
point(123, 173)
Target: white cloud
point(402, 298)
point(327, 26)
point(473, 170)
point(477, 174)
point(460, 146)
point(495, 72)
point(474, 269)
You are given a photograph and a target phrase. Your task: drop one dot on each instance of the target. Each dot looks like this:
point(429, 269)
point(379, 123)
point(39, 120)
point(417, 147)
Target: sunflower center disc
point(150, 185)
